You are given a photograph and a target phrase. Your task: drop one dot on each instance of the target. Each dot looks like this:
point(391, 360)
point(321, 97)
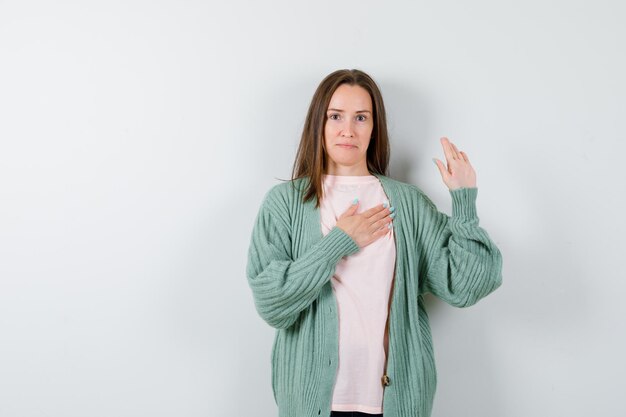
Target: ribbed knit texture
point(290, 265)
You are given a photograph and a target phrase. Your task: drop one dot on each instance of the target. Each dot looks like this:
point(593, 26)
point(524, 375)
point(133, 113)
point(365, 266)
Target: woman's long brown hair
point(311, 156)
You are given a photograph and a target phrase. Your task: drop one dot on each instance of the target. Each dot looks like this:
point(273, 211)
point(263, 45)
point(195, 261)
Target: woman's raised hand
point(459, 172)
point(366, 227)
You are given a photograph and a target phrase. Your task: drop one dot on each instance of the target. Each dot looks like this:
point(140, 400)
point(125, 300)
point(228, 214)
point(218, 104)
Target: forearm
point(283, 287)
point(464, 265)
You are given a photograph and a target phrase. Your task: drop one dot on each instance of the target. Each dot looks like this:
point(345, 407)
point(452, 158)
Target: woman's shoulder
point(285, 192)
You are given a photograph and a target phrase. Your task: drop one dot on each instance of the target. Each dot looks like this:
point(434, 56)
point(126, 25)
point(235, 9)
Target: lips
point(346, 145)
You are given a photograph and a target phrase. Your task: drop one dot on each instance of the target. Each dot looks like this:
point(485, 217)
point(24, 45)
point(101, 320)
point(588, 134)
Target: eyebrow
point(359, 111)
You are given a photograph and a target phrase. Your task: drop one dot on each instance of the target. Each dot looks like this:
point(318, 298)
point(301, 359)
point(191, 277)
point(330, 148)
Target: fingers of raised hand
point(461, 156)
point(452, 152)
point(448, 150)
point(457, 154)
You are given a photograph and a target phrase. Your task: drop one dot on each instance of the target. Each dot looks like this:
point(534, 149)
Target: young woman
point(341, 256)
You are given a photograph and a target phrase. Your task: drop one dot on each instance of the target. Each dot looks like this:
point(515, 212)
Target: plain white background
point(138, 138)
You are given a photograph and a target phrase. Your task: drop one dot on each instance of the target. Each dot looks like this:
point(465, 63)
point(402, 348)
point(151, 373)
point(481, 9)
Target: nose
point(347, 130)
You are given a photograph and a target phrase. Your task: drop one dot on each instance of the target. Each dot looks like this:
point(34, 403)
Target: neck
point(343, 170)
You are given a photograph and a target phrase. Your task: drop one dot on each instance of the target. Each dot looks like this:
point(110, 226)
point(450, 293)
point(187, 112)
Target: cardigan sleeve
point(463, 265)
point(282, 287)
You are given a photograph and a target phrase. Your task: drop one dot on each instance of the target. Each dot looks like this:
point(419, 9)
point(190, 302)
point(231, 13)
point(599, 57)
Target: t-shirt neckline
point(349, 179)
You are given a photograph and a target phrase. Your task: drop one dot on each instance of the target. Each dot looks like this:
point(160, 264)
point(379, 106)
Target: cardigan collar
point(387, 187)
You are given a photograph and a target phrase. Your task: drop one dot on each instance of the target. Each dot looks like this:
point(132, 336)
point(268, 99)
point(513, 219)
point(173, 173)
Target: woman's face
point(348, 130)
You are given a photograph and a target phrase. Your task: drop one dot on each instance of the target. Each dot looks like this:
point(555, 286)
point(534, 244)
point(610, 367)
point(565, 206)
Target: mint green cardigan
point(289, 269)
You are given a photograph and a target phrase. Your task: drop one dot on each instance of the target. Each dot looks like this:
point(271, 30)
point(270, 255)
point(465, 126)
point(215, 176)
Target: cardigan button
point(386, 380)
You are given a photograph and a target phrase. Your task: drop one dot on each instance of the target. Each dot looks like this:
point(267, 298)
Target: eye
point(333, 116)
point(361, 118)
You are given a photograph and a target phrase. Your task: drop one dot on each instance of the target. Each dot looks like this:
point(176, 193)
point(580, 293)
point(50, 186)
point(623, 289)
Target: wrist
point(464, 202)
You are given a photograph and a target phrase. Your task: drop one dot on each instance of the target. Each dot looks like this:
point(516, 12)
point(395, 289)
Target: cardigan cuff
point(337, 244)
point(464, 202)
